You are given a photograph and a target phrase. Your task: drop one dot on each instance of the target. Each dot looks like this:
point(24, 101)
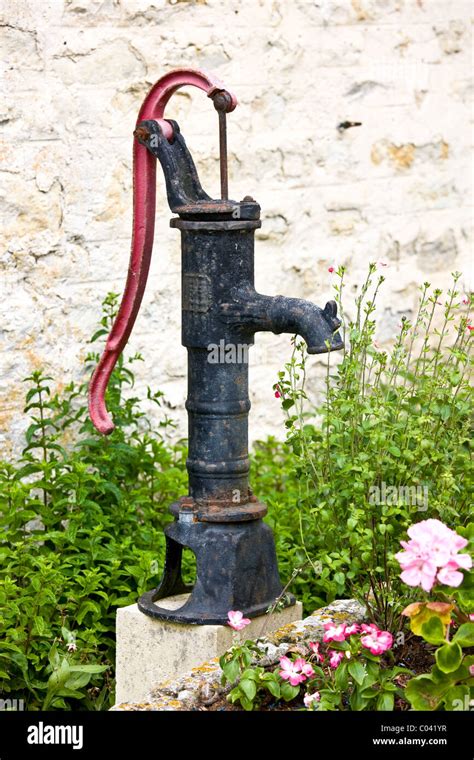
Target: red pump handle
point(144, 191)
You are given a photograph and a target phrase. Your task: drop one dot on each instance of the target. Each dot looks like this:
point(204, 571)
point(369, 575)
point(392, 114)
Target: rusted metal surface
point(221, 104)
point(211, 510)
point(220, 519)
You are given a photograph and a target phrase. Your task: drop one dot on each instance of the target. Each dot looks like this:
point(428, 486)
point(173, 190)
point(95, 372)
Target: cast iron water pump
point(220, 519)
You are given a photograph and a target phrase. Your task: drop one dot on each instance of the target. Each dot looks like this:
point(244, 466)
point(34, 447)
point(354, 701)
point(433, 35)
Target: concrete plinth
point(150, 651)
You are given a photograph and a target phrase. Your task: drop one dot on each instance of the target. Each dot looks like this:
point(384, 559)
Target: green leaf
point(39, 627)
point(357, 671)
point(424, 694)
point(458, 698)
point(85, 608)
point(274, 688)
point(289, 692)
point(465, 635)
point(98, 334)
point(78, 681)
point(88, 668)
point(340, 678)
point(231, 670)
point(358, 701)
point(386, 701)
point(249, 688)
point(369, 692)
point(433, 631)
point(251, 674)
point(449, 657)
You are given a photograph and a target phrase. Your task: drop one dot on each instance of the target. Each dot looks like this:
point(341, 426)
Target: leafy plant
point(347, 674)
point(81, 519)
point(391, 439)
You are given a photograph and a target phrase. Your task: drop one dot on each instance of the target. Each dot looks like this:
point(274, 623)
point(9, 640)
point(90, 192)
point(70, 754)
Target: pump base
point(236, 569)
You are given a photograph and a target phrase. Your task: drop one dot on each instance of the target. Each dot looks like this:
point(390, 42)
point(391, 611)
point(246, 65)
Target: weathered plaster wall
point(395, 189)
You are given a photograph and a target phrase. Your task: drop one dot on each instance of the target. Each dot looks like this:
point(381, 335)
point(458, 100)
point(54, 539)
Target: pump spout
point(255, 312)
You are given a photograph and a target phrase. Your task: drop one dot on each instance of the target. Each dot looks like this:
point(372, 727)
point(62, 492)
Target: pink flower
point(471, 616)
point(277, 394)
point(470, 327)
point(331, 269)
point(449, 574)
point(310, 699)
point(432, 555)
point(465, 301)
point(334, 632)
point(350, 629)
point(471, 670)
point(237, 620)
point(368, 627)
point(419, 573)
point(314, 646)
point(289, 672)
point(335, 659)
point(295, 672)
point(377, 641)
point(304, 667)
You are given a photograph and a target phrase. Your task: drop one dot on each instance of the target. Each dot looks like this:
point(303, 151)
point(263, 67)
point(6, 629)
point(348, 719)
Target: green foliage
point(390, 421)
point(82, 535)
point(251, 683)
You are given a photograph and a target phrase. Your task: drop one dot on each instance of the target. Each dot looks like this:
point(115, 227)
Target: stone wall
point(395, 189)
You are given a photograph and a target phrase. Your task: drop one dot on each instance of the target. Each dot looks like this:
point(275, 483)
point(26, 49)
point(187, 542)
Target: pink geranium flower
point(335, 659)
point(432, 555)
point(377, 641)
point(449, 574)
point(310, 699)
point(334, 632)
point(237, 620)
point(290, 672)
